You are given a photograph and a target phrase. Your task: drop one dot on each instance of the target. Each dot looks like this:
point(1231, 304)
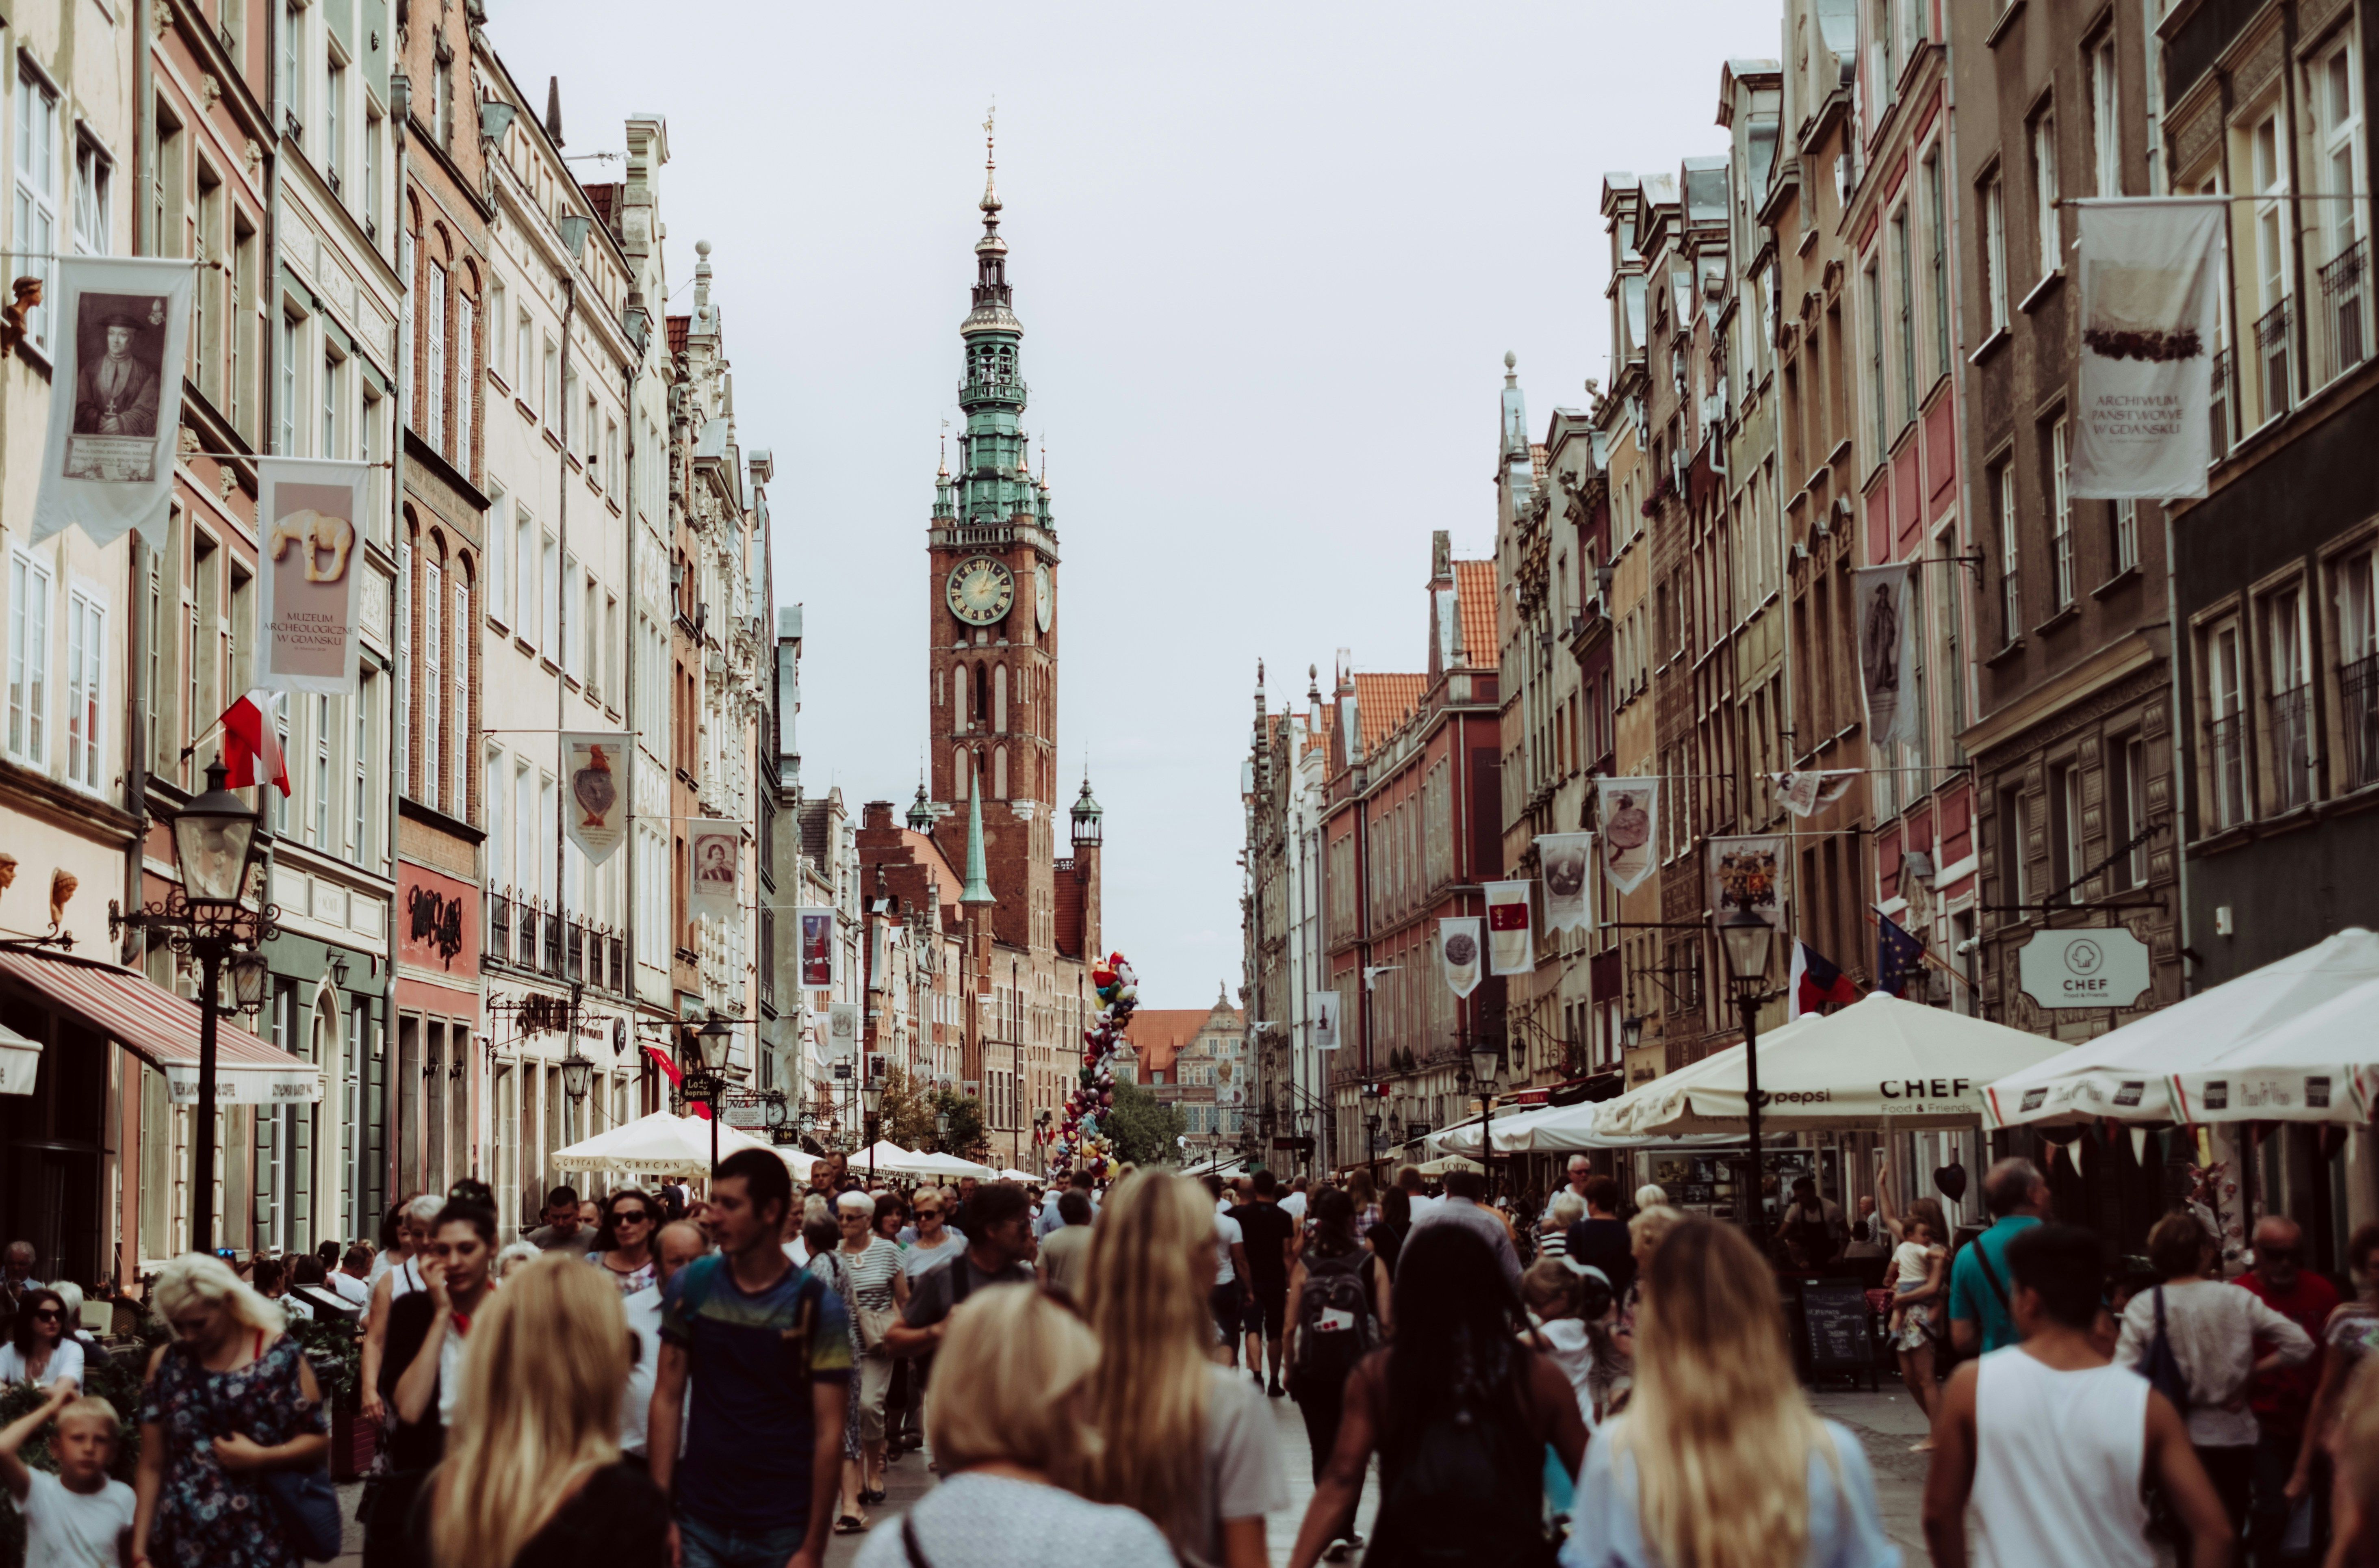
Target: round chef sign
point(2099, 967)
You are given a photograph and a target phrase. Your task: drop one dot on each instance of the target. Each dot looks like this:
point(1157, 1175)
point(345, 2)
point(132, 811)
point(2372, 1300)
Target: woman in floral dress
point(230, 1398)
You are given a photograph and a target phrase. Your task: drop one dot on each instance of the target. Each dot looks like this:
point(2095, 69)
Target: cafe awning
point(21, 1062)
point(163, 1030)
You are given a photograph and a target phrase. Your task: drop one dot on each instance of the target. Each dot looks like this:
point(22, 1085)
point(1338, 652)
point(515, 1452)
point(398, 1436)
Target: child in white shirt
point(80, 1518)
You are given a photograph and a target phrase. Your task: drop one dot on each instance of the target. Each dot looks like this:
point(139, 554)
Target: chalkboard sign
point(1835, 1336)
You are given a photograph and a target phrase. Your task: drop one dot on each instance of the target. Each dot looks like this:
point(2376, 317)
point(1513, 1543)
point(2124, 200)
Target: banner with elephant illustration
point(309, 599)
point(117, 336)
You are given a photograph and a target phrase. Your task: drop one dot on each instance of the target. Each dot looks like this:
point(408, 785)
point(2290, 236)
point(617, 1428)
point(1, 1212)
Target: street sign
point(1294, 1145)
point(2099, 966)
point(746, 1118)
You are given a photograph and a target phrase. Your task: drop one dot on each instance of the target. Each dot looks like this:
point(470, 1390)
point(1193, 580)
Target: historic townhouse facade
point(1282, 793)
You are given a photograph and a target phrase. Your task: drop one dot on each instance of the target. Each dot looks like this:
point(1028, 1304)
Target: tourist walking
point(1981, 1313)
point(422, 1377)
point(1459, 1413)
point(623, 1242)
point(1386, 1236)
point(402, 1278)
point(228, 1401)
point(1601, 1239)
point(1065, 1249)
point(1553, 1236)
point(1718, 1460)
point(1268, 1233)
point(567, 1227)
point(78, 1516)
point(768, 1351)
point(2046, 1449)
point(822, 1244)
point(39, 1352)
point(1365, 1194)
point(1228, 1300)
point(1183, 1440)
point(680, 1243)
point(1339, 1312)
point(2215, 1331)
point(1007, 1435)
point(1920, 1263)
point(533, 1476)
point(1000, 1251)
point(2348, 1340)
point(1049, 1218)
point(1461, 1206)
point(872, 1264)
point(2281, 1397)
point(2354, 1448)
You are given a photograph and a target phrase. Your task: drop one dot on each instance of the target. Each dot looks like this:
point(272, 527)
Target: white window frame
point(1995, 282)
point(26, 735)
point(2105, 123)
point(2060, 513)
point(2043, 192)
point(94, 225)
point(435, 327)
point(34, 235)
point(86, 686)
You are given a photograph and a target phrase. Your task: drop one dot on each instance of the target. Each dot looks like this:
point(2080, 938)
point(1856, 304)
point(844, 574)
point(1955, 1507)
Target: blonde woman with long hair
point(532, 1476)
point(1185, 1441)
point(1719, 1462)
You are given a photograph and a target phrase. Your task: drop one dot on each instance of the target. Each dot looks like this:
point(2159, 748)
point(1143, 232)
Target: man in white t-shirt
point(354, 1280)
point(1293, 1205)
point(1228, 1298)
point(77, 1518)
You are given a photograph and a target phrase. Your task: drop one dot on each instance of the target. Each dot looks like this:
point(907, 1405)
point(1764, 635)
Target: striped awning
point(163, 1030)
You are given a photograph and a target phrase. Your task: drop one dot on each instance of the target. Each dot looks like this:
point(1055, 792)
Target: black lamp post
point(1745, 939)
point(871, 1098)
point(1485, 1060)
point(706, 1062)
point(208, 918)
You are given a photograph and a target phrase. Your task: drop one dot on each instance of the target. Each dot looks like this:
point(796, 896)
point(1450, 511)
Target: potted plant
point(337, 1350)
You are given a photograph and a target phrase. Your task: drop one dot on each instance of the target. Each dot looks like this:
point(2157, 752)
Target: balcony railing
point(619, 965)
point(577, 947)
point(977, 389)
point(499, 926)
point(2224, 407)
point(2358, 690)
point(2346, 330)
point(2274, 359)
point(2225, 745)
point(2289, 715)
point(552, 923)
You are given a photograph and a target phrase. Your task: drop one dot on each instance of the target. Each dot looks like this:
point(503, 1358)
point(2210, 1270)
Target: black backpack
point(1333, 1285)
point(1466, 1491)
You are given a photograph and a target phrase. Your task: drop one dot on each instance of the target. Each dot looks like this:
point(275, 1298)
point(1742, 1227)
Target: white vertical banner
point(1457, 950)
point(119, 333)
point(308, 583)
point(2151, 269)
point(1887, 649)
point(842, 1030)
point(1567, 862)
point(1324, 1005)
point(1630, 814)
point(715, 851)
point(1511, 928)
point(596, 766)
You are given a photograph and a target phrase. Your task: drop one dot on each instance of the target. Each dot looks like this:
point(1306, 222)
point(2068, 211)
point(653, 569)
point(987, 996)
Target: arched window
point(959, 774)
point(433, 667)
point(981, 691)
point(999, 700)
point(958, 701)
point(999, 774)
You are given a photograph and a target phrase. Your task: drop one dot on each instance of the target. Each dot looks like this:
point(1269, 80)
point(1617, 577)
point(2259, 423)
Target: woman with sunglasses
point(623, 1240)
point(39, 1351)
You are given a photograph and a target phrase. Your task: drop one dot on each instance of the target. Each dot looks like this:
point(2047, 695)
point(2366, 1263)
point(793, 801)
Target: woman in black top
point(532, 1476)
point(1324, 1341)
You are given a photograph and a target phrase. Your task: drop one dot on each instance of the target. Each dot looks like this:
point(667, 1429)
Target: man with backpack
point(1338, 1294)
point(998, 1252)
point(1981, 1314)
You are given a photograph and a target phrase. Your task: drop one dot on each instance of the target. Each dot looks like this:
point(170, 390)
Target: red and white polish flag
point(251, 745)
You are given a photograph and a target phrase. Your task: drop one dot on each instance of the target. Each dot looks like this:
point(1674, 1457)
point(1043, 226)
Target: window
point(1900, 246)
point(334, 393)
point(550, 620)
point(433, 679)
point(2105, 137)
point(2269, 179)
point(434, 327)
point(2332, 91)
point(2126, 536)
point(1873, 291)
point(1937, 236)
point(404, 664)
point(318, 832)
point(93, 227)
point(459, 780)
point(371, 174)
point(525, 381)
point(553, 402)
point(2011, 595)
point(2044, 191)
point(2357, 598)
point(2065, 832)
point(36, 229)
point(499, 556)
point(2011, 854)
point(2288, 719)
point(28, 658)
point(288, 385)
point(466, 383)
point(359, 772)
point(445, 101)
point(334, 122)
point(2226, 738)
point(86, 687)
point(292, 70)
point(1995, 280)
point(498, 321)
point(2060, 516)
point(2127, 806)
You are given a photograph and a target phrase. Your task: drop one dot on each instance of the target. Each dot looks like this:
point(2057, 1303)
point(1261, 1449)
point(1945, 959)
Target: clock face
point(980, 590)
point(1044, 596)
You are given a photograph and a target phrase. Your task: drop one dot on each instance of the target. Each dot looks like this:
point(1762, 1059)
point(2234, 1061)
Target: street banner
point(1511, 933)
point(1898, 956)
point(2150, 271)
point(1457, 948)
point(1567, 860)
point(596, 766)
point(1324, 1004)
point(118, 335)
point(310, 581)
point(1746, 873)
point(842, 1030)
point(819, 952)
point(1802, 793)
point(1628, 812)
point(1886, 645)
point(715, 857)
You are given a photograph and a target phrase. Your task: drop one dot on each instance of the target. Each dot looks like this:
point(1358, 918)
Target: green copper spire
point(978, 881)
point(992, 484)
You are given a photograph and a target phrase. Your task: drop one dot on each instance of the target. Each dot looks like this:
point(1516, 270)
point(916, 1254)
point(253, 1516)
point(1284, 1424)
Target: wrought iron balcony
point(2358, 690)
point(2276, 357)
point(2346, 330)
point(2223, 408)
point(2226, 746)
point(993, 389)
point(2290, 717)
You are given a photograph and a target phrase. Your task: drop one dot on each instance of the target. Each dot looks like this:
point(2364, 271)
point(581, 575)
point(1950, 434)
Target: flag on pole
point(1817, 983)
point(1898, 956)
point(677, 1078)
point(251, 745)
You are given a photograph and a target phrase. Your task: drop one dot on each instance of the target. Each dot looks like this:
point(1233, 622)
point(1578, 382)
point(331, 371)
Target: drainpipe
point(562, 616)
point(400, 99)
point(136, 722)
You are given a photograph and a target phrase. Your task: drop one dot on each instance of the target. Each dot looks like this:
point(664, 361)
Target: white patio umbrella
point(941, 1163)
point(1569, 1129)
point(2128, 1074)
point(1013, 1174)
point(660, 1144)
point(1879, 1064)
point(886, 1155)
point(2322, 1066)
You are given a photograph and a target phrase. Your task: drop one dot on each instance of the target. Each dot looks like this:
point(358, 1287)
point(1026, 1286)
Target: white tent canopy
point(1011, 1173)
point(660, 1144)
point(887, 1156)
point(1879, 1064)
point(1561, 1129)
point(2260, 1036)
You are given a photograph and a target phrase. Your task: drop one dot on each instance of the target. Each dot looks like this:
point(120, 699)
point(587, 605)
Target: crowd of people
point(653, 1378)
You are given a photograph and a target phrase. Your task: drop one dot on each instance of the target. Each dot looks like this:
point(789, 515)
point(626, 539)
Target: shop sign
point(2092, 966)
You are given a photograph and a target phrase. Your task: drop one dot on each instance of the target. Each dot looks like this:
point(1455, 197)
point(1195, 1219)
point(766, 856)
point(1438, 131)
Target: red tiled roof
point(1474, 582)
point(679, 326)
point(1383, 701)
point(1539, 460)
point(1157, 1035)
point(605, 200)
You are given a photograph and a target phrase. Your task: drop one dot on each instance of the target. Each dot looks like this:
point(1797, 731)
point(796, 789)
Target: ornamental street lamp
point(1485, 1060)
point(1745, 939)
point(576, 1070)
point(705, 1052)
point(871, 1097)
point(208, 918)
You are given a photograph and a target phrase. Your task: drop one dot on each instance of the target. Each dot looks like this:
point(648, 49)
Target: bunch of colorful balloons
point(1079, 1143)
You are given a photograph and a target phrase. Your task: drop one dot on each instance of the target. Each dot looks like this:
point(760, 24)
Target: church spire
point(993, 484)
point(978, 878)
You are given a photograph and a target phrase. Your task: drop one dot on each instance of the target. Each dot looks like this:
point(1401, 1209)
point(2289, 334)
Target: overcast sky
point(1268, 259)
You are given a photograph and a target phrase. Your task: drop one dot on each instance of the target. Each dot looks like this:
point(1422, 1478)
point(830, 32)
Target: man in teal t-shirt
point(1980, 1285)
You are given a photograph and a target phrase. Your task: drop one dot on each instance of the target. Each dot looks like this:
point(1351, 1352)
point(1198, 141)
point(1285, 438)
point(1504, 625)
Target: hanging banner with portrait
point(1887, 647)
point(308, 580)
point(2151, 271)
point(842, 1032)
point(596, 766)
point(1511, 928)
point(714, 856)
point(818, 951)
point(1746, 874)
point(1457, 950)
point(1629, 814)
point(118, 334)
point(1567, 862)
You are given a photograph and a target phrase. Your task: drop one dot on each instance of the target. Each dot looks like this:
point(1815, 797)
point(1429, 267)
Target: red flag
point(252, 747)
point(671, 1071)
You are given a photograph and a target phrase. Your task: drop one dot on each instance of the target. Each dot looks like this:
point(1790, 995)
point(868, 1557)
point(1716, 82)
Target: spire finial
point(978, 885)
point(990, 166)
point(944, 472)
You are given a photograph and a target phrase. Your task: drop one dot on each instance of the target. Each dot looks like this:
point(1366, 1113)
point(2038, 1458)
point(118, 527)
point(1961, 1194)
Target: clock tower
point(992, 577)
